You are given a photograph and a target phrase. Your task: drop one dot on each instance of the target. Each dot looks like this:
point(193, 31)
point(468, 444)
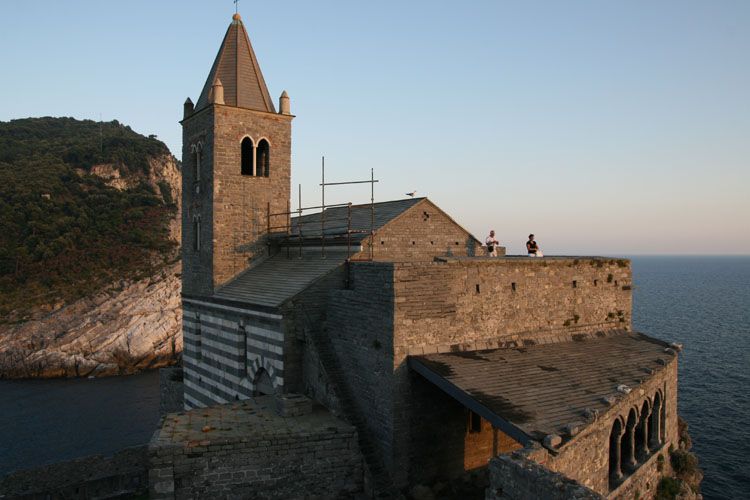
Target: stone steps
point(382, 486)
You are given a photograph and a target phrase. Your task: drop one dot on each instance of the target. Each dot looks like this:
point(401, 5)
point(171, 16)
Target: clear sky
point(602, 127)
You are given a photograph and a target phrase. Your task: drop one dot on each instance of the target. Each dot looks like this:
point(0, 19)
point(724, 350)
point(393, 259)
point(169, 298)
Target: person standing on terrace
point(492, 244)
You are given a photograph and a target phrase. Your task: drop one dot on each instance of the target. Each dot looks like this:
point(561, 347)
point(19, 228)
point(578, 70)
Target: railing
point(325, 220)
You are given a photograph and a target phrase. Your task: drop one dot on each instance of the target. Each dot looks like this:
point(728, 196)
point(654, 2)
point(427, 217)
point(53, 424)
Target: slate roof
point(336, 219)
point(238, 69)
point(279, 278)
point(540, 389)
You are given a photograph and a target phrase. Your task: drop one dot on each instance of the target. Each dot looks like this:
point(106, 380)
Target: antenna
point(236, 6)
point(101, 135)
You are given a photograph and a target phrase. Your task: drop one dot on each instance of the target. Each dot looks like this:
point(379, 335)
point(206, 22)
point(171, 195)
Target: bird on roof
point(412, 193)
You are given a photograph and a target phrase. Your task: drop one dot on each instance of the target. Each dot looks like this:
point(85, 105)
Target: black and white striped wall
point(230, 353)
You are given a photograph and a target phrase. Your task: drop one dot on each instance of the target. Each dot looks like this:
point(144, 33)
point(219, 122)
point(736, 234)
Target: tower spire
point(238, 69)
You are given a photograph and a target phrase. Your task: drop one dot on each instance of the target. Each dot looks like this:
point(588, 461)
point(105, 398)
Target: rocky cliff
point(131, 326)
point(89, 250)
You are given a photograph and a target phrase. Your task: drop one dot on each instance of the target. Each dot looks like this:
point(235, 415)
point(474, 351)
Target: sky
point(608, 128)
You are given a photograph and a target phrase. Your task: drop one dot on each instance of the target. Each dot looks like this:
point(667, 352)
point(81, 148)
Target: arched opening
point(197, 158)
point(263, 383)
point(641, 434)
point(263, 160)
point(615, 471)
point(247, 148)
point(654, 428)
point(627, 444)
point(196, 233)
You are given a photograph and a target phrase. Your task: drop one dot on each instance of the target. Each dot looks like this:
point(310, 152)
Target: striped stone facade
point(227, 351)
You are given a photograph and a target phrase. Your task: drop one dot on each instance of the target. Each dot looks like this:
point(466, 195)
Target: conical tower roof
point(237, 68)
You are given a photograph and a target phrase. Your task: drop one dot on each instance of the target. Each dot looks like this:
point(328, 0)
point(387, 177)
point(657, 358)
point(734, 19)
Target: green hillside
point(64, 233)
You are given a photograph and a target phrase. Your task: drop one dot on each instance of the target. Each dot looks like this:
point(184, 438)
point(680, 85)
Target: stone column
point(615, 475)
point(643, 430)
point(628, 459)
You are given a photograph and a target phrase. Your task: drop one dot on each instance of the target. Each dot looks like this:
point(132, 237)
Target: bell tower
point(236, 154)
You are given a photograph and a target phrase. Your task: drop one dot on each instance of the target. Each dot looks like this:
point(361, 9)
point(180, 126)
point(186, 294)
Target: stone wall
point(486, 303)
point(197, 201)
point(304, 315)
point(247, 450)
point(420, 234)
point(516, 477)
point(171, 390)
point(360, 327)
point(123, 475)
point(225, 349)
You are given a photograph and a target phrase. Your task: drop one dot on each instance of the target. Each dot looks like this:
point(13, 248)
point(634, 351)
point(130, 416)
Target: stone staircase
point(381, 482)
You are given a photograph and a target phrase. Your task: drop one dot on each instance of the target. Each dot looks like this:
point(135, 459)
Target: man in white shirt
point(492, 244)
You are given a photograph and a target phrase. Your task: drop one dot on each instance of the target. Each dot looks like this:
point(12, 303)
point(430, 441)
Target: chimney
point(216, 96)
point(284, 107)
point(188, 108)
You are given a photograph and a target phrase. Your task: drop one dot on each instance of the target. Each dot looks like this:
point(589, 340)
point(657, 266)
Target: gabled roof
point(237, 68)
point(336, 219)
point(535, 391)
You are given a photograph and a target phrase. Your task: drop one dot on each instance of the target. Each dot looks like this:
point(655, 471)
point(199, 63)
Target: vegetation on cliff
point(65, 233)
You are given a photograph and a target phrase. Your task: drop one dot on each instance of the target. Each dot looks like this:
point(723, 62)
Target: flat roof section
point(535, 391)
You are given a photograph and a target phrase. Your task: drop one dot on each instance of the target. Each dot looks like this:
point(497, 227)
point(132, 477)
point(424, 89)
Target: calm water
point(702, 302)
point(45, 421)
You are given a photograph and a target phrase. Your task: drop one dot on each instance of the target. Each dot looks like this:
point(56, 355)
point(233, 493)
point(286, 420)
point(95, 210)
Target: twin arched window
point(255, 160)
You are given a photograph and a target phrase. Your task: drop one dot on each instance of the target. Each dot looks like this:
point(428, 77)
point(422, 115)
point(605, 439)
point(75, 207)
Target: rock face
point(127, 328)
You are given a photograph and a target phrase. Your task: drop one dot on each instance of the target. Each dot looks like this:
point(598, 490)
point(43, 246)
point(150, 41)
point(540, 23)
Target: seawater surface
point(701, 302)
point(704, 303)
point(46, 421)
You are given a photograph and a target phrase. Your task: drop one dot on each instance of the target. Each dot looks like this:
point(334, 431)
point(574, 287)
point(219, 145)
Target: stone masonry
point(248, 450)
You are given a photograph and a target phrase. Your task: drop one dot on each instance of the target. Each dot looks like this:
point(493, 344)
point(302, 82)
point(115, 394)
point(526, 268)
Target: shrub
point(668, 489)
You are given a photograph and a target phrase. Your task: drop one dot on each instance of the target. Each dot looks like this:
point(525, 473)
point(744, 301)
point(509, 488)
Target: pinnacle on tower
point(238, 70)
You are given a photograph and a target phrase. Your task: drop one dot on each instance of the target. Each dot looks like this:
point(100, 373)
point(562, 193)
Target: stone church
point(373, 349)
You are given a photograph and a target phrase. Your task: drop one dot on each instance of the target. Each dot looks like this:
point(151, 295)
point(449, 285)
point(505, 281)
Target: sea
point(700, 302)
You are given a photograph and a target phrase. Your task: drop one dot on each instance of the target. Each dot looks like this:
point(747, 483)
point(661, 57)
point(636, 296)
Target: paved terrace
point(250, 420)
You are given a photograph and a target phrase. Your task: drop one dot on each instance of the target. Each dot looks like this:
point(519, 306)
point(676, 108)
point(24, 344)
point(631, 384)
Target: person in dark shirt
point(532, 248)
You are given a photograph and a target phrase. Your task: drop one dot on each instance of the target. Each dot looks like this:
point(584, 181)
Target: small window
point(198, 343)
point(477, 287)
point(197, 233)
point(513, 287)
point(596, 282)
point(247, 150)
point(575, 284)
point(475, 422)
point(197, 159)
point(263, 159)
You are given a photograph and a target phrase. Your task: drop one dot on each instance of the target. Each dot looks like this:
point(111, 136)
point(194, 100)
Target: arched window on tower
point(263, 159)
point(197, 233)
point(197, 160)
point(247, 148)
